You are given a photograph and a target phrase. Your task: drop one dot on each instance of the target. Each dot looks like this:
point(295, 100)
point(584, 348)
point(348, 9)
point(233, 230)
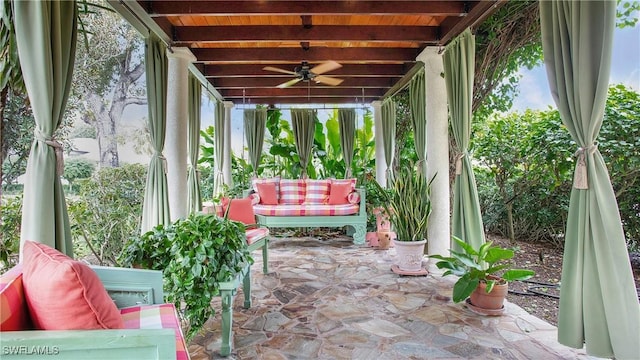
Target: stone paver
point(330, 299)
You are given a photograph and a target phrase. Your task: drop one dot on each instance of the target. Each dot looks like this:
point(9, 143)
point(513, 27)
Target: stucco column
point(175, 148)
point(226, 168)
point(437, 151)
point(381, 164)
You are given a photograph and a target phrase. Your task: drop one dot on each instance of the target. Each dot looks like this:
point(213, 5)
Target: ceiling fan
point(305, 73)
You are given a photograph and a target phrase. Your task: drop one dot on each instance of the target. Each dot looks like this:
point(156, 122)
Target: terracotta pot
point(409, 254)
point(384, 239)
point(372, 238)
point(382, 220)
point(491, 301)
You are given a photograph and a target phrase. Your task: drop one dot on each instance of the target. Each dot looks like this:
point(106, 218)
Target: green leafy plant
point(195, 255)
point(487, 264)
point(10, 218)
point(408, 203)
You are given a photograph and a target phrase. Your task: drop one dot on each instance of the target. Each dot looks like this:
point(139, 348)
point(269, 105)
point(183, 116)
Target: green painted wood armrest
point(148, 344)
point(129, 287)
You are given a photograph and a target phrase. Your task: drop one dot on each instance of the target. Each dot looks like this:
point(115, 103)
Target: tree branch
point(135, 101)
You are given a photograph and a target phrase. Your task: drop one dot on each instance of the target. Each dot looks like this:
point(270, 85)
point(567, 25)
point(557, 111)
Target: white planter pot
point(409, 254)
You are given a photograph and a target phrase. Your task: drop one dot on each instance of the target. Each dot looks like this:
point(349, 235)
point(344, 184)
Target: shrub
point(108, 210)
point(11, 210)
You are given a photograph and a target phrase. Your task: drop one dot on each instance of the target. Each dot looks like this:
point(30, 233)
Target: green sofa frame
point(127, 287)
point(357, 223)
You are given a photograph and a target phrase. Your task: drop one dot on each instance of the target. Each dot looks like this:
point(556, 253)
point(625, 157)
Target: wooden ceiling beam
point(452, 27)
point(239, 101)
point(216, 34)
point(266, 82)
point(298, 7)
point(302, 92)
point(277, 55)
point(347, 70)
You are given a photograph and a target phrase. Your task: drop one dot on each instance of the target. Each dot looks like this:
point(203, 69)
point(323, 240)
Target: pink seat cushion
point(64, 294)
point(14, 315)
point(160, 316)
point(256, 234)
point(306, 210)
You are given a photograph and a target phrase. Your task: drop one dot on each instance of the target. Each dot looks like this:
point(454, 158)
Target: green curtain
point(194, 197)
point(598, 301)
point(303, 122)
point(155, 208)
point(46, 33)
point(347, 120)
point(417, 103)
point(255, 122)
point(459, 60)
point(218, 136)
point(389, 134)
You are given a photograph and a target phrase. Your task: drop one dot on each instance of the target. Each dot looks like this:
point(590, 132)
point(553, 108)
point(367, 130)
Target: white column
point(381, 163)
point(175, 148)
point(437, 151)
point(226, 168)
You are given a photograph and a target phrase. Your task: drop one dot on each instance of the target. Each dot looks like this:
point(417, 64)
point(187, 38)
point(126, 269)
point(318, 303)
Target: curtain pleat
point(388, 111)
point(46, 33)
point(347, 121)
point(194, 197)
point(255, 121)
point(155, 209)
point(598, 300)
point(459, 68)
point(304, 125)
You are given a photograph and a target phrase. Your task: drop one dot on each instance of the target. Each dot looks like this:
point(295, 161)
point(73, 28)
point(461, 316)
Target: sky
point(625, 69)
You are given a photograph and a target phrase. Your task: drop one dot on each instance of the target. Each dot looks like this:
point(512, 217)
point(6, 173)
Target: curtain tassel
point(58, 149)
point(580, 179)
point(459, 163)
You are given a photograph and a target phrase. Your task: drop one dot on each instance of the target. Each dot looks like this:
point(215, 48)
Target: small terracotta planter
point(384, 239)
point(372, 238)
point(492, 301)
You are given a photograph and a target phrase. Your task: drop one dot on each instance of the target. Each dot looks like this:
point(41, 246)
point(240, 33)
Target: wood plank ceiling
point(377, 43)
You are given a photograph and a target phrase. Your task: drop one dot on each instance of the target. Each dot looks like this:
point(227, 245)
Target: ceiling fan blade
point(271, 68)
point(289, 83)
point(325, 67)
point(328, 80)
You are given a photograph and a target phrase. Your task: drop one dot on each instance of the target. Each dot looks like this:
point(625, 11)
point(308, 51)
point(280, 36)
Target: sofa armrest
point(152, 344)
point(363, 201)
point(129, 287)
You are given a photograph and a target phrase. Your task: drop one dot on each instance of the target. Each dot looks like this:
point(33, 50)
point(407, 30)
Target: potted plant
point(408, 206)
point(378, 224)
point(195, 254)
point(483, 275)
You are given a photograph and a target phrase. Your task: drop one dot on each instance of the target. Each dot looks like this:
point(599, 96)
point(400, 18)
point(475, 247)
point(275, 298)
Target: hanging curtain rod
point(305, 108)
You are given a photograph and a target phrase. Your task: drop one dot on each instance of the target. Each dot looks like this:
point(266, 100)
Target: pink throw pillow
point(65, 294)
point(267, 193)
point(339, 193)
point(241, 210)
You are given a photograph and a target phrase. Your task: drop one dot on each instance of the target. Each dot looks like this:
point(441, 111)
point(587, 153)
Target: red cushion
point(317, 191)
point(14, 315)
point(240, 210)
point(267, 193)
point(65, 294)
point(339, 193)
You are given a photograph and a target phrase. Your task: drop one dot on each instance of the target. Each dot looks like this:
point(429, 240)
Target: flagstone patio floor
point(326, 298)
